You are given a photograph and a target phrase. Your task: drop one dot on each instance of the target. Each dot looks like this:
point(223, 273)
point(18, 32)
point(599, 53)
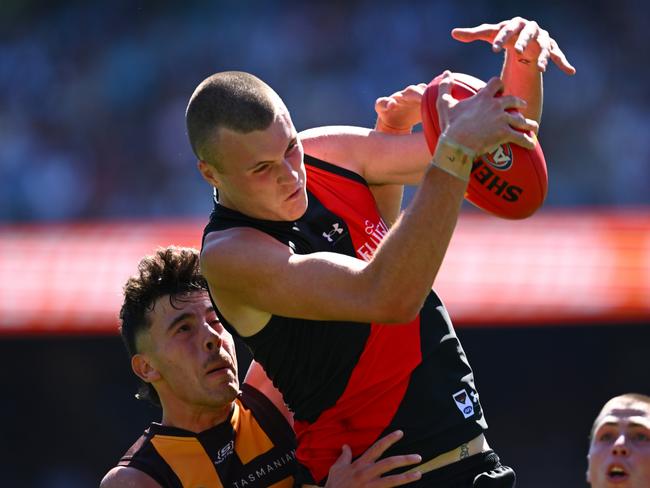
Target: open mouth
point(617, 473)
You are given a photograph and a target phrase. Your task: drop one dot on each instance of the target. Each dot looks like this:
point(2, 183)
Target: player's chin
point(224, 392)
point(296, 206)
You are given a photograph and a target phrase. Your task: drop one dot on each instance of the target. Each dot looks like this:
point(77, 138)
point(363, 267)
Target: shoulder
point(235, 248)
point(322, 135)
point(339, 145)
point(124, 476)
point(226, 236)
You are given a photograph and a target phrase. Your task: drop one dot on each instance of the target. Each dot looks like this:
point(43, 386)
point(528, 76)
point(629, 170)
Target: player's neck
point(195, 418)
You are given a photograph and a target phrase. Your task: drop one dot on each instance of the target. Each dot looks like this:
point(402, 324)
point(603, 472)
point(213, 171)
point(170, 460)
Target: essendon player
point(338, 310)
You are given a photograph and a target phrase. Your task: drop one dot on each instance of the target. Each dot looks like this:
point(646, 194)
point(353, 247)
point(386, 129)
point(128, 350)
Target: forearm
point(389, 197)
point(412, 253)
point(523, 79)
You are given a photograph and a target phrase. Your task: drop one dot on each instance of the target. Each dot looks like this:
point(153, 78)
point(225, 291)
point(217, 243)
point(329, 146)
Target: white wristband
point(453, 158)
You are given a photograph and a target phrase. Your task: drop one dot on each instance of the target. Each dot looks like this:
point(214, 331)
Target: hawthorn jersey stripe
point(187, 458)
point(254, 448)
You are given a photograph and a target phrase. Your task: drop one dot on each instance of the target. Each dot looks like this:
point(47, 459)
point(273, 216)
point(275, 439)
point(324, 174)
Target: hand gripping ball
point(510, 182)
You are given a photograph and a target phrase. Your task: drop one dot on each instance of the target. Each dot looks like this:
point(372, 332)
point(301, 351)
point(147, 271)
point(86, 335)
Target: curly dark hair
point(172, 271)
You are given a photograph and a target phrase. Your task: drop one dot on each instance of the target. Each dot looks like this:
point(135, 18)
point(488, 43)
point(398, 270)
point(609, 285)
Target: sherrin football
point(510, 182)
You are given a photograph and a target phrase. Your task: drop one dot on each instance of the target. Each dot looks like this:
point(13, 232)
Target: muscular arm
point(252, 276)
point(522, 79)
point(380, 158)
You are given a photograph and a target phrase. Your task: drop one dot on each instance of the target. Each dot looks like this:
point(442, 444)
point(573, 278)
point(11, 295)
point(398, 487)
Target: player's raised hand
point(485, 120)
point(367, 471)
point(399, 112)
point(526, 37)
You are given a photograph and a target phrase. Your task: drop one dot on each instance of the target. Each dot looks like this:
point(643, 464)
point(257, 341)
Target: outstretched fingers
point(373, 470)
point(529, 32)
point(507, 32)
point(483, 32)
point(368, 470)
point(395, 479)
point(378, 448)
point(560, 59)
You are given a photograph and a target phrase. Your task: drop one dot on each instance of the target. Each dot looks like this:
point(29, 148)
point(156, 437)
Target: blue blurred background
point(92, 100)
point(92, 94)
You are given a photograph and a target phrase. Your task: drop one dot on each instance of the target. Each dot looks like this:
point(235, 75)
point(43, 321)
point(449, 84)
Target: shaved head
point(635, 401)
point(236, 100)
point(619, 448)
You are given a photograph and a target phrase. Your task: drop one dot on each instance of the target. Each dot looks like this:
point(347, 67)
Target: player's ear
point(144, 369)
point(209, 173)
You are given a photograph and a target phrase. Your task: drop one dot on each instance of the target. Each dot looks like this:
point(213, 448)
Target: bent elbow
point(399, 311)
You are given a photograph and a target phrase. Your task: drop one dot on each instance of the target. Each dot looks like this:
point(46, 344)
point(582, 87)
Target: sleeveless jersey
point(351, 383)
point(254, 448)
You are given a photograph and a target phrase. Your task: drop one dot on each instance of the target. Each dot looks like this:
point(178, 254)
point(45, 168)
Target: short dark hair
point(232, 99)
point(172, 271)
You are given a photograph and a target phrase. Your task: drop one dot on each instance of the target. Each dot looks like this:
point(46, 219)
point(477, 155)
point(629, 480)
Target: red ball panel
point(510, 182)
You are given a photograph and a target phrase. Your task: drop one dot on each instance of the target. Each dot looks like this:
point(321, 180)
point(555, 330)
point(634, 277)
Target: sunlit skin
point(619, 454)
point(190, 359)
point(261, 174)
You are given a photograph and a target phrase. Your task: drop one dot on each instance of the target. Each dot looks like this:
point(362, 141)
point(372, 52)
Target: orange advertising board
point(551, 269)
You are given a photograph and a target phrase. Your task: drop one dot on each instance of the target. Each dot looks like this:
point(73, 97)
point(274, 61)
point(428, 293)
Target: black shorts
point(482, 470)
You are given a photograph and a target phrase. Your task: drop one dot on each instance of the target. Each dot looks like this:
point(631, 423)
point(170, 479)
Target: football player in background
point(619, 447)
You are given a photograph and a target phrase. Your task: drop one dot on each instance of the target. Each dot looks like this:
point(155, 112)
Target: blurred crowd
point(92, 94)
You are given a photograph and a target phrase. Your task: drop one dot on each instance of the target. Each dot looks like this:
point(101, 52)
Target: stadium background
point(95, 170)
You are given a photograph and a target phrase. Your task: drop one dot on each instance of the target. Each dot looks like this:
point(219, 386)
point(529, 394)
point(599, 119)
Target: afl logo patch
point(500, 159)
point(464, 403)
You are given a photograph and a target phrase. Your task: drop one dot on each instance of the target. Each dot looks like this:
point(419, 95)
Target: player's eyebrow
point(292, 142)
point(178, 319)
point(209, 310)
point(259, 163)
point(633, 424)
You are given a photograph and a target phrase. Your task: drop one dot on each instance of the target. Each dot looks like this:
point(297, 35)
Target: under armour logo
point(336, 229)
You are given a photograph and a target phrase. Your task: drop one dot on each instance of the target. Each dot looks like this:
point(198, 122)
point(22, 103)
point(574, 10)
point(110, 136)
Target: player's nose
point(212, 340)
point(620, 448)
point(287, 173)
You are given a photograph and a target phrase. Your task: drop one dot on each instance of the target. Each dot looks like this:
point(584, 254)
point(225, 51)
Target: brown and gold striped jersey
point(254, 448)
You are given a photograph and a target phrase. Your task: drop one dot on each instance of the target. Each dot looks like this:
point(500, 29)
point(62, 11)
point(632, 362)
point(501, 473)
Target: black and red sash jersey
point(351, 383)
point(254, 448)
